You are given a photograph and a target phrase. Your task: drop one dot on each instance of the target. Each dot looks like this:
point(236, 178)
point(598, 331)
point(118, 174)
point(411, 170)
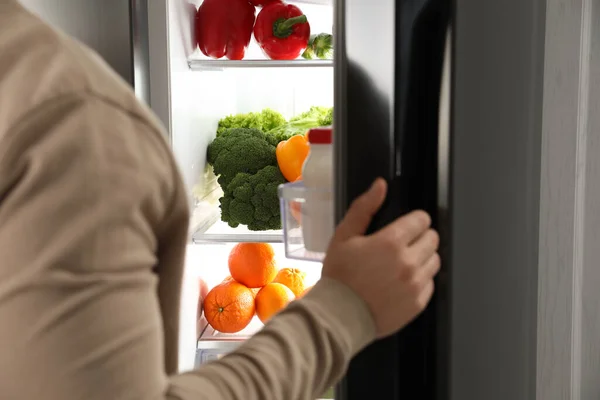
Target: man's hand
point(392, 270)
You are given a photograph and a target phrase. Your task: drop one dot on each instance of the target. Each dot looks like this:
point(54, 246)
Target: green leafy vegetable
point(240, 150)
point(251, 200)
point(264, 120)
point(315, 117)
point(243, 157)
point(319, 46)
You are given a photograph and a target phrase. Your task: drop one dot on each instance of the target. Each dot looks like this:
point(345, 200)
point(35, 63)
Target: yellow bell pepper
point(291, 154)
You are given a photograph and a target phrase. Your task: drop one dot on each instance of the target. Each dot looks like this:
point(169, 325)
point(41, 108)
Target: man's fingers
point(430, 268)
point(407, 228)
point(361, 211)
point(425, 296)
point(424, 246)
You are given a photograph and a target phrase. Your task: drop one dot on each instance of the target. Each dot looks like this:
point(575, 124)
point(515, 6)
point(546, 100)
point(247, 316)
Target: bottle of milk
point(317, 175)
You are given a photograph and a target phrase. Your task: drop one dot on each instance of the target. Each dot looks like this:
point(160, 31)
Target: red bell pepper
point(224, 28)
point(282, 31)
point(261, 3)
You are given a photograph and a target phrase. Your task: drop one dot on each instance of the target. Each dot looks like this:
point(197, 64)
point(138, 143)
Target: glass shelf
point(223, 233)
point(206, 225)
point(222, 64)
point(210, 335)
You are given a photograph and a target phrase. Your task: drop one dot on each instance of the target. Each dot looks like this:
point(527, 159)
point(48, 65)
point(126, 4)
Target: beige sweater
point(93, 228)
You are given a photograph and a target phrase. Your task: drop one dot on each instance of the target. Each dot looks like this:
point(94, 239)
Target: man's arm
point(90, 206)
point(300, 354)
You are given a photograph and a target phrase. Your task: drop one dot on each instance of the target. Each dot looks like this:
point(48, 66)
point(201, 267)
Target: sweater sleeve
point(298, 355)
point(93, 228)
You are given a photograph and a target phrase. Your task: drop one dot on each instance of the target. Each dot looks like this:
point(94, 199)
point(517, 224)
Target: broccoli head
point(252, 200)
point(240, 150)
point(265, 120)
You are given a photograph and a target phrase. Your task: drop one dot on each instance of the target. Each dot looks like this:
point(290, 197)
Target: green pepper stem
point(283, 28)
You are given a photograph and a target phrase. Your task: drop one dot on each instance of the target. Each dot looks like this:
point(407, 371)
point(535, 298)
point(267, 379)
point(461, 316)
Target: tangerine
point(229, 307)
point(252, 264)
point(293, 279)
point(271, 299)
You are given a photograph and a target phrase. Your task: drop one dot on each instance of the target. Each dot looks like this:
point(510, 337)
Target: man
point(93, 226)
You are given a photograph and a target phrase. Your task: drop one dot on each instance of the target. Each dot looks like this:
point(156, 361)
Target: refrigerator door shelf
point(299, 218)
point(202, 64)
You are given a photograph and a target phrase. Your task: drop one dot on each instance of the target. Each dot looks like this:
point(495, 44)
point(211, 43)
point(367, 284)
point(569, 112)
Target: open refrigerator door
point(234, 253)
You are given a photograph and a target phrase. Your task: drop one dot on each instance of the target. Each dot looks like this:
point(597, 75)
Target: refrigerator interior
point(196, 94)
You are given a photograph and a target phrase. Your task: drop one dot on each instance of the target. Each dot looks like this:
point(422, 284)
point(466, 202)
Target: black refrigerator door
point(389, 61)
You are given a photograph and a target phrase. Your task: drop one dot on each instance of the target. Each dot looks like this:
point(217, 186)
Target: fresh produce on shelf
point(255, 287)
point(229, 307)
point(251, 200)
point(293, 279)
point(271, 299)
point(282, 31)
point(223, 28)
point(261, 3)
point(323, 116)
point(315, 117)
point(264, 120)
point(319, 47)
point(291, 154)
point(240, 150)
point(252, 264)
point(245, 153)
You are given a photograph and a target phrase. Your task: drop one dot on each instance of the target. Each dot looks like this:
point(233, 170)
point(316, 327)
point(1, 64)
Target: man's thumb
point(361, 212)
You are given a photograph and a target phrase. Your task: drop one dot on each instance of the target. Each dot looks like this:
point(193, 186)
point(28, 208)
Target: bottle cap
point(320, 136)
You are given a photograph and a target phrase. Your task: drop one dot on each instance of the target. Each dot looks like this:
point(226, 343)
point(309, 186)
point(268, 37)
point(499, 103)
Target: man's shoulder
point(38, 64)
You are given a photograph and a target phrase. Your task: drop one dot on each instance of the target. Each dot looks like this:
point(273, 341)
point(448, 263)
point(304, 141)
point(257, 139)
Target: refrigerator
point(421, 99)
point(462, 106)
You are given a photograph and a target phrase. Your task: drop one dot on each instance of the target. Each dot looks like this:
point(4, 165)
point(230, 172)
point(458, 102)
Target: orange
point(293, 279)
point(255, 291)
point(252, 264)
point(271, 299)
point(229, 307)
